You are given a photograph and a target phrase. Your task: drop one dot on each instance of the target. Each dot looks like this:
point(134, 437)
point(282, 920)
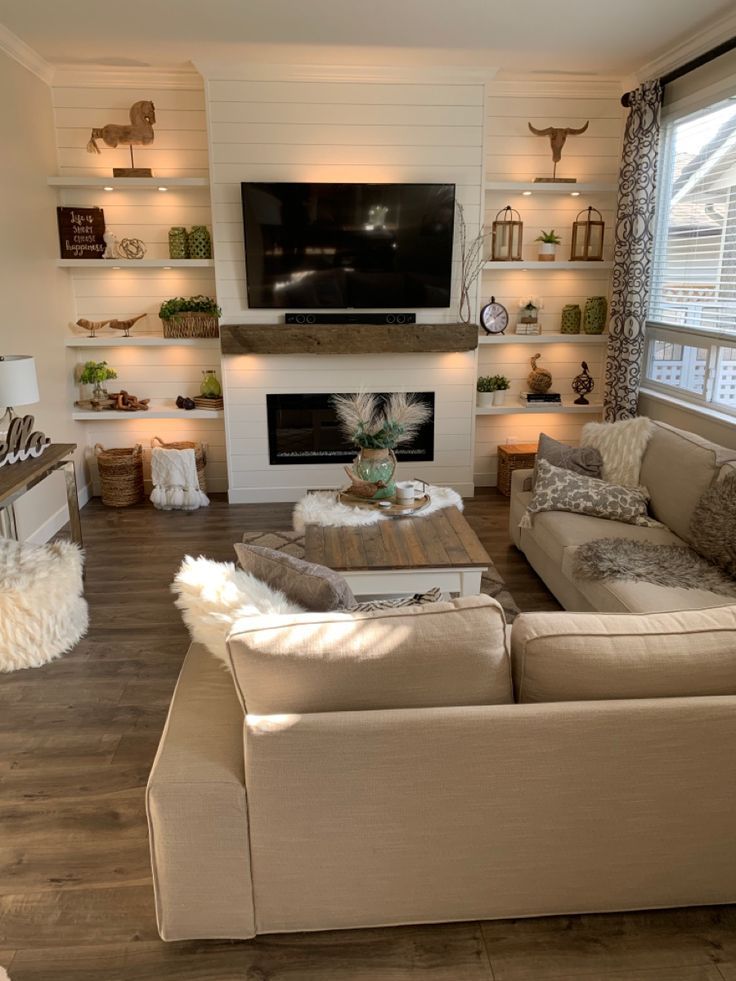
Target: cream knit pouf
point(43, 613)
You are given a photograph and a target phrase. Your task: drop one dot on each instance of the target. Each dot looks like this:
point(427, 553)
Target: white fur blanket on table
point(323, 508)
point(175, 481)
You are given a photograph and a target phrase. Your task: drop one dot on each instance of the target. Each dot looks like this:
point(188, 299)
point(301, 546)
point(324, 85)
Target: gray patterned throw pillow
point(561, 490)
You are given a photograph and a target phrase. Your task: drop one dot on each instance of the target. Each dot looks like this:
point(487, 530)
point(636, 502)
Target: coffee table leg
point(470, 582)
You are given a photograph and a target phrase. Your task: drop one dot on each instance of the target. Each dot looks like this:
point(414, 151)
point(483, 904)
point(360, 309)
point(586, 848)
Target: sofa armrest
point(521, 480)
point(197, 811)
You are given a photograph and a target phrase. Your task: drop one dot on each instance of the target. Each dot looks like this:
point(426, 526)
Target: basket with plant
point(194, 316)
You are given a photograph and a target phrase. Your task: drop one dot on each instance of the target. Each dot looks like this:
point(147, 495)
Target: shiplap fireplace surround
point(428, 357)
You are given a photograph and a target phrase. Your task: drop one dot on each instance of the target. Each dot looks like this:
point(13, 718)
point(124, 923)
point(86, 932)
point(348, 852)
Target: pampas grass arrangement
point(374, 423)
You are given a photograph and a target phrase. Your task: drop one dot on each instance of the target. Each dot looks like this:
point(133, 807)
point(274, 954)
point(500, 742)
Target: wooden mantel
point(347, 338)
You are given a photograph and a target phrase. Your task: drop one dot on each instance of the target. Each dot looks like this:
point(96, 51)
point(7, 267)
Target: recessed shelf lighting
point(108, 189)
point(527, 194)
point(116, 267)
point(167, 267)
point(574, 194)
point(163, 189)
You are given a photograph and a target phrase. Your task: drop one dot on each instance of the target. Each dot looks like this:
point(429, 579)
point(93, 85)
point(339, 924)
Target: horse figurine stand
point(139, 133)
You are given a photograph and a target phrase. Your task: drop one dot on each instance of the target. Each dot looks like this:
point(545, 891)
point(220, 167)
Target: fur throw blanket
point(323, 508)
point(663, 565)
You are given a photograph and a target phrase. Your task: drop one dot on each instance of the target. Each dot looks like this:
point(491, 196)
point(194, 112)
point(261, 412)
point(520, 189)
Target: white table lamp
point(18, 385)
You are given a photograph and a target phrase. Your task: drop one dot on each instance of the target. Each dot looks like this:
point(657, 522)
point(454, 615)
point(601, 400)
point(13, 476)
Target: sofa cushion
point(423, 656)
point(570, 657)
point(621, 446)
point(677, 469)
point(557, 530)
point(311, 586)
point(561, 490)
point(713, 525)
point(585, 460)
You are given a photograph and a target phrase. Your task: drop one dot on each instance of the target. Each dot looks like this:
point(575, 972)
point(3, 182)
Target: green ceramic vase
point(570, 320)
point(210, 387)
point(200, 243)
point(178, 242)
point(595, 315)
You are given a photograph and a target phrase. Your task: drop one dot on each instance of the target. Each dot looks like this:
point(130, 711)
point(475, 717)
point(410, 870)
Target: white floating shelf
point(112, 264)
point(519, 187)
point(131, 183)
point(160, 409)
point(519, 409)
point(543, 339)
point(559, 266)
point(140, 340)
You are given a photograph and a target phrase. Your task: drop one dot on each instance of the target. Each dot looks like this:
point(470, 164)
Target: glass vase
point(210, 387)
point(377, 466)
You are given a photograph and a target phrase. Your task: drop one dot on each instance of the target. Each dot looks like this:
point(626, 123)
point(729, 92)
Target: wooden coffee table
point(403, 555)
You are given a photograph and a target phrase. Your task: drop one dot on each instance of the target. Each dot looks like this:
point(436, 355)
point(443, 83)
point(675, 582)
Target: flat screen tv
point(360, 246)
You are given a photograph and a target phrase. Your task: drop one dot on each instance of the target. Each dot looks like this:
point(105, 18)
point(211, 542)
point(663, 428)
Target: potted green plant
point(502, 384)
point(548, 242)
point(485, 388)
point(193, 316)
point(94, 373)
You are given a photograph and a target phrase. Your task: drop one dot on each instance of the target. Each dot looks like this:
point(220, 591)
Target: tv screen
point(321, 246)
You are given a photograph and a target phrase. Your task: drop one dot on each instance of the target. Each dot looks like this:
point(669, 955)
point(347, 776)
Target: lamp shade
point(18, 384)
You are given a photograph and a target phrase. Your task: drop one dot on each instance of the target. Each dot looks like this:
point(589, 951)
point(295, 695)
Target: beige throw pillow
point(314, 587)
point(574, 657)
point(418, 657)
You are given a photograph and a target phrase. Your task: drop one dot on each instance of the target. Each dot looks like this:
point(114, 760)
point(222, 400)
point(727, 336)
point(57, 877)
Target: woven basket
point(121, 475)
point(199, 455)
point(191, 325)
point(508, 461)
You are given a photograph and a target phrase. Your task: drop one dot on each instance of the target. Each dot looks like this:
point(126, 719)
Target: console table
point(17, 478)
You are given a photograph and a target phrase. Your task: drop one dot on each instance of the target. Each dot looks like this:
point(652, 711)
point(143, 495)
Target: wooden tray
point(395, 511)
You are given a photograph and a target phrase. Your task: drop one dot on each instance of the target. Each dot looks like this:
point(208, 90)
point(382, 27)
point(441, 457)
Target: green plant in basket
point(191, 304)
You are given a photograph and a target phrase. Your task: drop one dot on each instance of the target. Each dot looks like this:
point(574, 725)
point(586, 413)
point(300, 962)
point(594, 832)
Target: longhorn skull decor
point(557, 137)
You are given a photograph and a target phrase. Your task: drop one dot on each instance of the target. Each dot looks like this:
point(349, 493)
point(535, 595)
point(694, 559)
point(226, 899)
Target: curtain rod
point(720, 49)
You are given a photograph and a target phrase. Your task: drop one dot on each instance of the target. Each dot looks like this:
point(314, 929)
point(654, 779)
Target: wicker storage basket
point(121, 475)
point(191, 325)
point(199, 455)
point(518, 456)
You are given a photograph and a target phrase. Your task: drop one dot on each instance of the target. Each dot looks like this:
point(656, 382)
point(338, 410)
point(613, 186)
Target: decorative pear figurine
point(539, 380)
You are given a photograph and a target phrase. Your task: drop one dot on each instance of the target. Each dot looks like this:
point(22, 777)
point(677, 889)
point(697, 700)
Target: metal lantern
point(506, 236)
point(587, 237)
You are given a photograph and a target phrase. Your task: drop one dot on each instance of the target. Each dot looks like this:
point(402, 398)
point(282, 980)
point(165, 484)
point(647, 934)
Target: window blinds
point(694, 267)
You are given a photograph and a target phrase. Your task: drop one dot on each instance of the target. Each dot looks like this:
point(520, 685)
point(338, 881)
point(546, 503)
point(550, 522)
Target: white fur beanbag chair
point(42, 611)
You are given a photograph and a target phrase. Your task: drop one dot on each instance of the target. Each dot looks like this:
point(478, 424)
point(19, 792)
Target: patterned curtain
point(632, 252)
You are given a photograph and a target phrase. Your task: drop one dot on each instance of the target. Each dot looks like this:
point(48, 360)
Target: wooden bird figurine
point(92, 325)
point(364, 488)
point(125, 325)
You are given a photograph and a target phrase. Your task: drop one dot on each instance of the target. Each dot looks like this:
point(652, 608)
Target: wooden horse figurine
point(140, 131)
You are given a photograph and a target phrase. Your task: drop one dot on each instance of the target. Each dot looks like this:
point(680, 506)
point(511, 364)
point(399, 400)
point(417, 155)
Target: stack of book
point(544, 398)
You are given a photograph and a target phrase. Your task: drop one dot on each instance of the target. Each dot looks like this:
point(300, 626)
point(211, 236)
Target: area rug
point(323, 508)
point(491, 583)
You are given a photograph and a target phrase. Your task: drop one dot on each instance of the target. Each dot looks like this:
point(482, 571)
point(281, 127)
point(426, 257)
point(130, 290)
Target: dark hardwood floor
point(77, 739)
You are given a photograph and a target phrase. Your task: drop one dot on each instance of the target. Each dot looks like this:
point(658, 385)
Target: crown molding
point(556, 88)
point(215, 71)
point(694, 45)
point(106, 76)
point(24, 54)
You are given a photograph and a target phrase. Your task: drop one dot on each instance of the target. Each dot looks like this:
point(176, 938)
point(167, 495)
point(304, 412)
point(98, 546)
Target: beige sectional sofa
point(677, 468)
point(354, 770)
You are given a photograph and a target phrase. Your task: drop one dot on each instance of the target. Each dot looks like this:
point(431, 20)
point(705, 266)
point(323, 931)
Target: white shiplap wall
point(83, 100)
point(335, 128)
point(515, 154)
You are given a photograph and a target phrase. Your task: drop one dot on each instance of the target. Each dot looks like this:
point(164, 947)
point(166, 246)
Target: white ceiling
point(607, 38)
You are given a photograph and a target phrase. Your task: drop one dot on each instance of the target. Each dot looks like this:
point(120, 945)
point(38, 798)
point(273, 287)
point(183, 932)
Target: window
point(691, 337)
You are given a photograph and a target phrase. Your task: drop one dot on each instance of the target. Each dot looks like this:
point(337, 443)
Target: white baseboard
point(58, 519)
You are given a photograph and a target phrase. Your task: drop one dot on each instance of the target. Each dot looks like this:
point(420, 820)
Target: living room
point(368, 491)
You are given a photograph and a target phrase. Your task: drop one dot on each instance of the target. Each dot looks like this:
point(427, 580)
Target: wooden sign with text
point(21, 442)
point(81, 232)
